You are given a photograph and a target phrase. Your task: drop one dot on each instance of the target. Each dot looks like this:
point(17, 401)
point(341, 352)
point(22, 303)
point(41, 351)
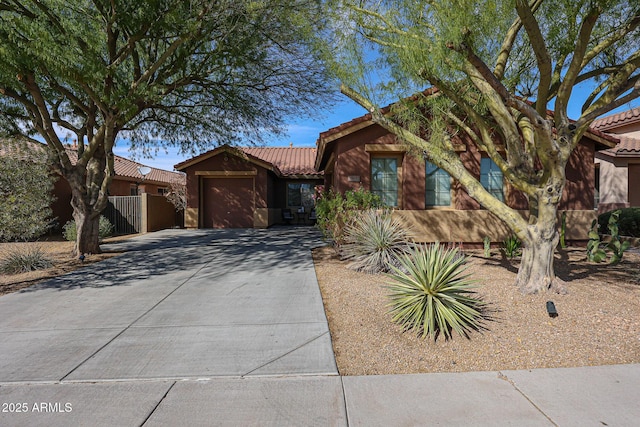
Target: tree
point(177, 194)
point(184, 73)
point(26, 186)
point(491, 70)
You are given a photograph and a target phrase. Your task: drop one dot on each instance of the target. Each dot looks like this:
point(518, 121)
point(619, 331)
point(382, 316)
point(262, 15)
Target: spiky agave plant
point(430, 294)
point(373, 241)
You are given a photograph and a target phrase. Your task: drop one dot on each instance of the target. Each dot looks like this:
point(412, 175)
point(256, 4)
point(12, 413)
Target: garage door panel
point(228, 202)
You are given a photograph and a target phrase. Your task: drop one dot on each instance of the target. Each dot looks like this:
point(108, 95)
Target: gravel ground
point(598, 321)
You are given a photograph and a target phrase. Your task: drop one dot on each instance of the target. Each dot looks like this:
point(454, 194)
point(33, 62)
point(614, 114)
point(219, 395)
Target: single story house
point(128, 179)
point(232, 187)
point(618, 168)
point(251, 187)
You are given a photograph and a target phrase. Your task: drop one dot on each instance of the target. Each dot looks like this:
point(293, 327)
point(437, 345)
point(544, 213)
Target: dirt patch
point(598, 321)
point(60, 252)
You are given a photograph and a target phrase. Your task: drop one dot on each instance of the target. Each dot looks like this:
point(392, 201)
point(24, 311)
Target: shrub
point(616, 245)
point(26, 188)
point(334, 211)
point(430, 294)
point(628, 221)
point(105, 229)
point(22, 260)
point(373, 241)
point(511, 246)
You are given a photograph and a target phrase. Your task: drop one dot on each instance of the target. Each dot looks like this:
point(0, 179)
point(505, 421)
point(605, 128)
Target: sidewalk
point(227, 327)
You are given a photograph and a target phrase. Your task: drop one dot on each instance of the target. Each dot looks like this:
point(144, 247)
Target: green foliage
point(594, 252)
point(616, 246)
point(24, 259)
point(430, 294)
point(26, 187)
point(628, 221)
point(335, 211)
point(511, 246)
point(105, 229)
point(486, 243)
point(373, 241)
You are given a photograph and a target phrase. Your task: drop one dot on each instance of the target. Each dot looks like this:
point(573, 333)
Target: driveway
point(178, 306)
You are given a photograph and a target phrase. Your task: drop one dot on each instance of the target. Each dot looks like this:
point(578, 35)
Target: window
point(299, 194)
point(491, 178)
point(133, 190)
point(163, 191)
point(438, 186)
point(384, 180)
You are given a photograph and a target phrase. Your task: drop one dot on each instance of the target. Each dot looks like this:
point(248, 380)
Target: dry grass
point(598, 322)
point(60, 251)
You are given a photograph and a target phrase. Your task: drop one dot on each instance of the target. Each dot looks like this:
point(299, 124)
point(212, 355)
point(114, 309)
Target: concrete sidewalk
point(227, 327)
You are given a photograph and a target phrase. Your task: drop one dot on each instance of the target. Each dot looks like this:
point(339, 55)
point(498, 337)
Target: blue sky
point(304, 132)
point(301, 132)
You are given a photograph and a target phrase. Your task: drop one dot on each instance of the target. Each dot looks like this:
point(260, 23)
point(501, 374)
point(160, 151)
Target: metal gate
point(125, 213)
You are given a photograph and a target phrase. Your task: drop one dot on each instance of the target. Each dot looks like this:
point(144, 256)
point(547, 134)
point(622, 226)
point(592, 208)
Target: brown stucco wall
point(158, 213)
point(634, 190)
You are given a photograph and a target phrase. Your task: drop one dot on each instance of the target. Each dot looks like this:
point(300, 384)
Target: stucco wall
point(158, 213)
point(471, 226)
point(614, 183)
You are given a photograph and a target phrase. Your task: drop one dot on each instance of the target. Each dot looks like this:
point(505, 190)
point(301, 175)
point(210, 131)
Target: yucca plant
point(430, 294)
point(512, 246)
point(17, 261)
point(373, 241)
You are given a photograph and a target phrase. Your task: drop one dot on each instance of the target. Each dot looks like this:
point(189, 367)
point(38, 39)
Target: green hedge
point(628, 222)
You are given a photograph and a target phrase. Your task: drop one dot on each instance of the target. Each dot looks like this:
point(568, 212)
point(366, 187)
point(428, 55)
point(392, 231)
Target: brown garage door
point(228, 202)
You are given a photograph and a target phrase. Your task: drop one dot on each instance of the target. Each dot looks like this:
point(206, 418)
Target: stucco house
point(127, 181)
point(251, 187)
point(618, 168)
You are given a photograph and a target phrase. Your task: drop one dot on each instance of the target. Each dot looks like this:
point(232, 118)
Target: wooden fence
point(125, 213)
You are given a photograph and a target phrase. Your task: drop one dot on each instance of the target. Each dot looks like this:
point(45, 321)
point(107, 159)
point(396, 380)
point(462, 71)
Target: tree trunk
point(536, 273)
point(87, 237)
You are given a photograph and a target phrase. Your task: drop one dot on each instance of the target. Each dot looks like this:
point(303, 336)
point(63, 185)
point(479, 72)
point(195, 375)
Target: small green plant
point(430, 294)
point(105, 229)
point(373, 241)
point(511, 246)
point(334, 210)
point(486, 242)
point(594, 252)
point(616, 246)
point(22, 260)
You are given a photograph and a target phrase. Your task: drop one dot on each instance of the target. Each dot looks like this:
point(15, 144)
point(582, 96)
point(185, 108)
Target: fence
point(125, 213)
point(141, 214)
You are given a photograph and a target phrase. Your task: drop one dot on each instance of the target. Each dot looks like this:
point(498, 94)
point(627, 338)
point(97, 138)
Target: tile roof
point(628, 147)
point(286, 161)
point(617, 120)
point(289, 160)
point(124, 168)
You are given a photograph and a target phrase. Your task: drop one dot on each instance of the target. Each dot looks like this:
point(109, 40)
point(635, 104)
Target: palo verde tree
point(187, 73)
point(488, 71)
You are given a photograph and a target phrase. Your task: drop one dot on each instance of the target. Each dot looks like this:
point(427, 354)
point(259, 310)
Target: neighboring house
point(618, 168)
point(362, 154)
point(249, 187)
point(127, 181)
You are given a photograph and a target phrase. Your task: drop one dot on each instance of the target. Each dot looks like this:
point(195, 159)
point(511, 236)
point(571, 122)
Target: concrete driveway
point(179, 308)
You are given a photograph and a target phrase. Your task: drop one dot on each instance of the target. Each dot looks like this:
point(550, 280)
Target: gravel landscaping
point(598, 320)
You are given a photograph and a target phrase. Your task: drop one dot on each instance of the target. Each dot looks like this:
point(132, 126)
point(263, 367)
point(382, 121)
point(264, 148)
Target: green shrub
point(511, 246)
point(373, 241)
point(628, 221)
point(430, 294)
point(105, 229)
point(616, 245)
point(22, 260)
point(26, 186)
point(334, 210)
